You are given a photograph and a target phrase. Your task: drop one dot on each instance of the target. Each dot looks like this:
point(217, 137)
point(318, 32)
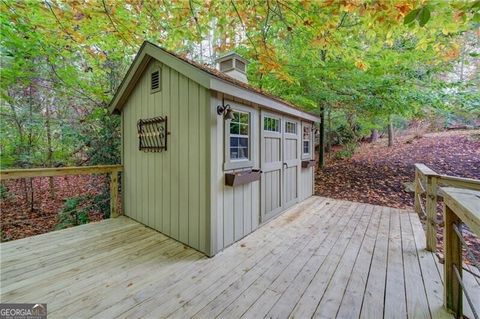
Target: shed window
point(271, 124)
point(291, 127)
point(155, 84)
point(239, 136)
point(306, 140)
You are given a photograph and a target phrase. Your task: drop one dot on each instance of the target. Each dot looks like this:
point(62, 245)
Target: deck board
point(323, 258)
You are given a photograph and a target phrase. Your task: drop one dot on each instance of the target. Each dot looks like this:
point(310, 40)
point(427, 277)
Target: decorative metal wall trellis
point(152, 134)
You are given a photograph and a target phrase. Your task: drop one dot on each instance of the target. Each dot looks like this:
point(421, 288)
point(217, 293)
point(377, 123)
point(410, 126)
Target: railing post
point(453, 298)
point(431, 211)
point(114, 194)
point(418, 191)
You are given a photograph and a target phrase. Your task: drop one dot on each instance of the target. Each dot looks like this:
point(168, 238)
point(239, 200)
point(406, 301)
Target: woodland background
point(369, 68)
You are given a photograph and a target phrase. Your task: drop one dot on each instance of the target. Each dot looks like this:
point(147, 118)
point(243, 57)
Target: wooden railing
point(111, 170)
point(428, 183)
point(461, 206)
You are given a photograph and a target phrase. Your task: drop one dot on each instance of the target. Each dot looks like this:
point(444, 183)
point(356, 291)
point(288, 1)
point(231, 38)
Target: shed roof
point(206, 76)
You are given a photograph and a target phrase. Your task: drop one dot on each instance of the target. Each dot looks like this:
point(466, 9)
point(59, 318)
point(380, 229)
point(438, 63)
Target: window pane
point(236, 117)
point(290, 127)
point(244, 118)
point(306, 147)
point(271, 124)
point(242, 141)
point(239, 135)
point(233, 153)
point(306, 133)
point(243, 129)
point(242, 153)
point(233, 141)
point(234, 128)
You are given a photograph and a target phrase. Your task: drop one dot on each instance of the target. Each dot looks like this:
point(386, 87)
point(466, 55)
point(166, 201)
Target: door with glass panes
point(280, 163)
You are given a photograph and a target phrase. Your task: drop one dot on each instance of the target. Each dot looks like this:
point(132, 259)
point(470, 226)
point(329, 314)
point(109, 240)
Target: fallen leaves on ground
point(18, 220)
point(378, 174)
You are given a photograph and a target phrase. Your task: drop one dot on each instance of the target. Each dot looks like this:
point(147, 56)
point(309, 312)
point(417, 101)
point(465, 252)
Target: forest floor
point(382, 175)
point(28, 206)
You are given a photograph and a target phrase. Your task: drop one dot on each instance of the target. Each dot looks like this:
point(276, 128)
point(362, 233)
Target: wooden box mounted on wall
point(308, 163)
point(244, 177)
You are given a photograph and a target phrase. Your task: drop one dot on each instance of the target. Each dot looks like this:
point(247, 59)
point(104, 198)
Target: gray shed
point(208, 158)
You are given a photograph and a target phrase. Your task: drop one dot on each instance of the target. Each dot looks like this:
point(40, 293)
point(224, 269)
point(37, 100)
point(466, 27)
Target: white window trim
point(241, 163)
point(307, 156)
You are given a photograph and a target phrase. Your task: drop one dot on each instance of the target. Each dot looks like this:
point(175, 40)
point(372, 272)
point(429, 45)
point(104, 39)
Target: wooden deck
point(323, 258)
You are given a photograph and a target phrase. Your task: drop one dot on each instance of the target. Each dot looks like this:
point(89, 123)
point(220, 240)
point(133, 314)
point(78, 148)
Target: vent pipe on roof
point(233, 65)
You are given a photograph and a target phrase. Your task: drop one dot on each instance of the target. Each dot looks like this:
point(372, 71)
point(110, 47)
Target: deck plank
point(332, 297)
point(308, 302)
point(277, 287)
point(395, 302)
point(432, 278)
point(351, 303)
point(373, 298)
point(324, 258)
point(417, 304)
point(234, 305)
point(290, 296)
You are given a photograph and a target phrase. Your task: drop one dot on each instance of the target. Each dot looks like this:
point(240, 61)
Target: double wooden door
point(280, 163)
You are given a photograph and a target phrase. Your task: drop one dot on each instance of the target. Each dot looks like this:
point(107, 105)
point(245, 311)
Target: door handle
point(285, 165)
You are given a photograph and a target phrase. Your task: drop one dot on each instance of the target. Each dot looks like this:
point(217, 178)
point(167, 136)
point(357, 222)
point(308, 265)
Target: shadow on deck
point(334, 259)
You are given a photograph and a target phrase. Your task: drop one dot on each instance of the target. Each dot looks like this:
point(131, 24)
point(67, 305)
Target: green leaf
point(423, 16)
point(476, 18)
point(409, 18)
point(475, 5)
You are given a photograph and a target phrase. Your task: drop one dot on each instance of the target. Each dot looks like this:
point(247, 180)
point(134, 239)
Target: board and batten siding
point(235, 210)
point(169, 190)
point(306, 183)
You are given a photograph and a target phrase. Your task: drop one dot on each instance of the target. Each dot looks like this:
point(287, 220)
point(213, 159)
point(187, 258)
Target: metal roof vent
point(233, 65)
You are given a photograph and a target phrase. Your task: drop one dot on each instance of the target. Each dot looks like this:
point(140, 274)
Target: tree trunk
point(50, 148)
point(329, 131)
point(321, 148)
point(390, 132)
point(374, 136)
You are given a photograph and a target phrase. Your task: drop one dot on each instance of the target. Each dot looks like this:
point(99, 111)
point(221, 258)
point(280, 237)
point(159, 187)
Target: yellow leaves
point(360, 64)
point(422, 44)
point(320, 42)
point(269, 63)
point(452, 53)
point(351, 6)
point(306, 4)
point(458, 16)
point(404, 8)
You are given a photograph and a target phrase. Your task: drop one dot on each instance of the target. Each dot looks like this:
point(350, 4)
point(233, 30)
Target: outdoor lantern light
point(226, 111)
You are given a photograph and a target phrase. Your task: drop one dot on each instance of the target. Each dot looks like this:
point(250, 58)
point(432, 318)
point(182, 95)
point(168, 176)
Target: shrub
point(72, 213)
point(347, 151)
point(3, 191)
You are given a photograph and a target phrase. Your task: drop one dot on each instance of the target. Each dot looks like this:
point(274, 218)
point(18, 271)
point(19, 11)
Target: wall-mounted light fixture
point(225, 110)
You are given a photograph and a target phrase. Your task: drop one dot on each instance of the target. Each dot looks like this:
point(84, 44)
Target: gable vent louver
point(155, 81)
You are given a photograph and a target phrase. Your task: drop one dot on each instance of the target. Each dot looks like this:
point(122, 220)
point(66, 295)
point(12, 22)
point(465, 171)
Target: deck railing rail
point(461, 208)
point(111, 170)
point(427, 192)
point(429, 187)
